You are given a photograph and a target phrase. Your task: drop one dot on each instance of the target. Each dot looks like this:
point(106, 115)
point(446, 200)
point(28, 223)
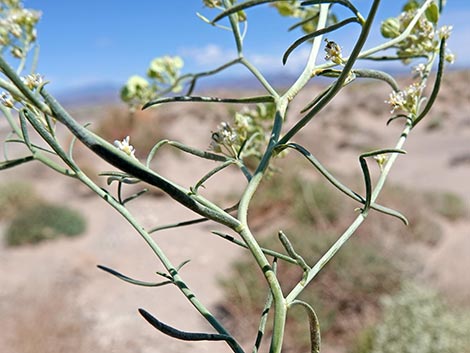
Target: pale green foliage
point(416, 320)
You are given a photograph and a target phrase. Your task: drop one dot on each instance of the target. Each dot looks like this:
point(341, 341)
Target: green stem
point(280, 309)
point(235, 28)
point(306, 74)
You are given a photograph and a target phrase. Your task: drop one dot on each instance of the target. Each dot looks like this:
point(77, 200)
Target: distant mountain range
point(108, 92)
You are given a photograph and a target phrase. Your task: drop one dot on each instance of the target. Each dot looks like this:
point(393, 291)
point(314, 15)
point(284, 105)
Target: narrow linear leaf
point(315, 336)
point(437, 84)
point(345, 3)
point(212, 173)
point(399, 116)
point(301, 23)
point(14, 162)
point(131, 280)
point(74, 140)
point(340, 186)
point(312, 35)
point(182, 335)
point(24, 129)
point(264, 314)
point(134, 196)
point(242, 6)
point(291, 251)
point(191, 150)
point(36, 147)
point(124, 180)
point(264, 250)
point(197, 99)
point(189, 222)
point(181, 265)
point(391, 57)
point(365, 73)
point(367, 179)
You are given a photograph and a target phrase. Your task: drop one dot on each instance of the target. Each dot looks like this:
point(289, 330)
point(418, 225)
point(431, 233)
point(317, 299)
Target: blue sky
point(89, 42)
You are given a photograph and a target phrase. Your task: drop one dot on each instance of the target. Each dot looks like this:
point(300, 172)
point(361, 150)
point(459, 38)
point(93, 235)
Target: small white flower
point(7, 100)
point(449, 57)
point(407, 99)
point(445, 32)
point(33, 80)
point(381, 159)
point(396, 100)
point(125, 147)
point(420, 69)
point(223, 137)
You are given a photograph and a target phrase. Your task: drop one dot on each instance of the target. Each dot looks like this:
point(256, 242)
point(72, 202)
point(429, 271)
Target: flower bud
point(390, 28)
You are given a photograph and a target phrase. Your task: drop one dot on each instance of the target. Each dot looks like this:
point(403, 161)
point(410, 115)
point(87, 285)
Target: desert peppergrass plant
point(258, 134)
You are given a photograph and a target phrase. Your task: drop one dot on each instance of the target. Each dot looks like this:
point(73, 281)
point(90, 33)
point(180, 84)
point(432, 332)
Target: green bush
point(416, 320)
point(43, 221)
point(14, 197)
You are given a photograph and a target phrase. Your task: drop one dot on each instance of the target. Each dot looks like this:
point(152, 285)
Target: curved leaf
point(312, 35)
point(242, 6)
point(315, 337)
point(131, 280)
point(182, 335)
point(259, 99)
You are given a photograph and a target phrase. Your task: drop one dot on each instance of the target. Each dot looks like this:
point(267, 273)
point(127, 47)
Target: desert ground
point(54, 299)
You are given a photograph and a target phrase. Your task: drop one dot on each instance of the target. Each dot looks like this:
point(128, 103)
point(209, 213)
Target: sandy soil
point(54, 299)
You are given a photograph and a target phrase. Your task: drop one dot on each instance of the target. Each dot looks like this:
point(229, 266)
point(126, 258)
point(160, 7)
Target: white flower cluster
point(406, 100)
point(17, 27)
point(224, 140)
point(125, 146)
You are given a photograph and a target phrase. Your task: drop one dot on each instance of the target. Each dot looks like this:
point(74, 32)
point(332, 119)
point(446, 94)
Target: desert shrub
point(416, 320)
point(42, 222)
point(14, 197)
